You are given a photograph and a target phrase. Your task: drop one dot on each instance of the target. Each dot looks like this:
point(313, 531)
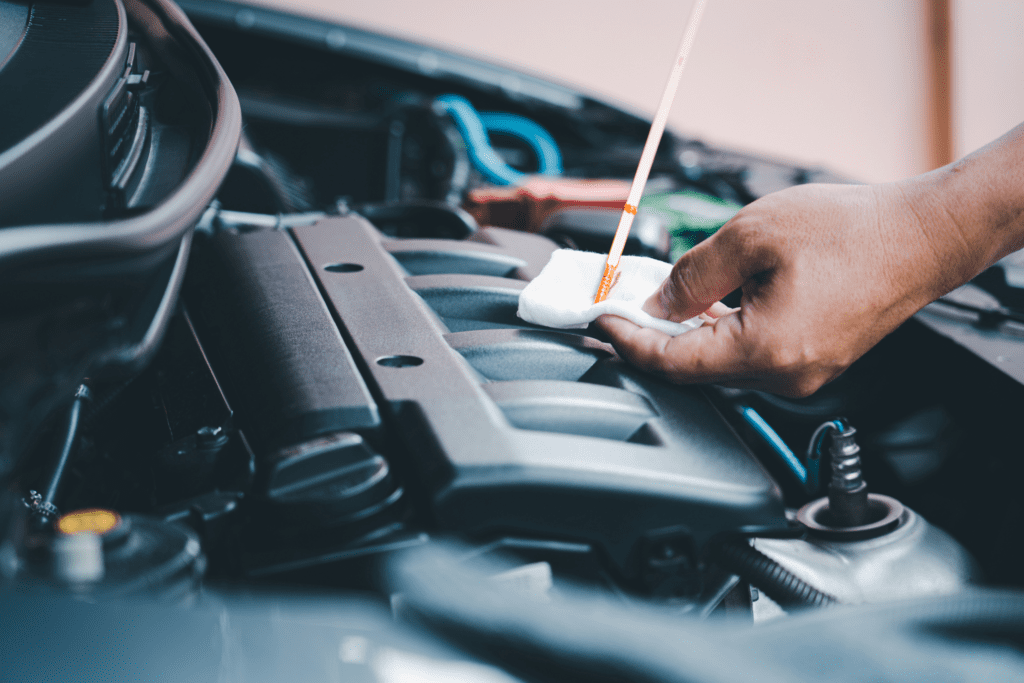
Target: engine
point(290, 365)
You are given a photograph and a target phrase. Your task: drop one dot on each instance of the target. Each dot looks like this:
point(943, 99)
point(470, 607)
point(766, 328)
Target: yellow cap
point(93, 521)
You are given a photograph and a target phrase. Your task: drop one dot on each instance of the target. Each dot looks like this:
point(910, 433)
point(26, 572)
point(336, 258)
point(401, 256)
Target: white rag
point(563, 294)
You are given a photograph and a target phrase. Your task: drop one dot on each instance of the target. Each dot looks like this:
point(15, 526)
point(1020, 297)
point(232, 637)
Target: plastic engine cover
point(519, 430)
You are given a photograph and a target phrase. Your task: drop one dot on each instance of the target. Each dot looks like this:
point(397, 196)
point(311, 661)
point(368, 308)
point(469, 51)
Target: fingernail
point(653, 305)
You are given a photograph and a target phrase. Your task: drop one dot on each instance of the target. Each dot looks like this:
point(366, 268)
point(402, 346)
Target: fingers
point(712, 353)
point(717, 310)
point(715, 353)
point(702, 276)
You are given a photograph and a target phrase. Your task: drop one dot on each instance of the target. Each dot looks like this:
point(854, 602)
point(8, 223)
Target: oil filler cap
point(94, 520)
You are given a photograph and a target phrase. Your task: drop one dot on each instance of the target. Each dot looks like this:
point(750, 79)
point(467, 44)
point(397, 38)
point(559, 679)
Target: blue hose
point(474, 126)
point(773, 439)
point(544, 146)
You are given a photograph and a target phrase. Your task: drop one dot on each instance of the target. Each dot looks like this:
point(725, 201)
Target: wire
point(42, 505)
point(775, 441)
point(70, 438)
point(813, 458)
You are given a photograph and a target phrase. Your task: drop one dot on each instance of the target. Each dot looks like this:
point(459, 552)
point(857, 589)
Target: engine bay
point(338, 375)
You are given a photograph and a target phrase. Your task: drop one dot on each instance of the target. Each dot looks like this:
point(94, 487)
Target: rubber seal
point(887, 513)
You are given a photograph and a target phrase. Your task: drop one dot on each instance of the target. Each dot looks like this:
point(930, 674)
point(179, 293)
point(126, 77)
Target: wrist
point(968, 215)
point(979, 200)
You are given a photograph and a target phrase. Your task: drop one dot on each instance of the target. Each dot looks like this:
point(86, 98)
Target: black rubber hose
point(132, 359)
point(767, 575)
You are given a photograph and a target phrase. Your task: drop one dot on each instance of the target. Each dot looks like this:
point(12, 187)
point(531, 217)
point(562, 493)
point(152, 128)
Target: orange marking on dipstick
point(629, 208)
point(607, 280)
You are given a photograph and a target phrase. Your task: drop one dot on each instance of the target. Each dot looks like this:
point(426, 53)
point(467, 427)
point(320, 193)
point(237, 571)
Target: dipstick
point(647, 156)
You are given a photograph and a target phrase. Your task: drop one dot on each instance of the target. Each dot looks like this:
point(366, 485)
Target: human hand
point(826, 272)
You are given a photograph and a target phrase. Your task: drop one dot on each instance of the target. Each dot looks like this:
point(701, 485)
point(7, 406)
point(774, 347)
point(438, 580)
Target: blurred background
point(875, 89)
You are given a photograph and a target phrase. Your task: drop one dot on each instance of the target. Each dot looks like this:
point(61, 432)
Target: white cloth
point(563, 294)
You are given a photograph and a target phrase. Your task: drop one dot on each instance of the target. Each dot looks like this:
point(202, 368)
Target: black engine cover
point(518, 430)
point(496, 427)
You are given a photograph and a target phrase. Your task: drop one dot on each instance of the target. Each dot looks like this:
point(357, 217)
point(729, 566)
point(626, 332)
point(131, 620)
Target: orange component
point(525, 206)
point(607, 280)
point(629, 208)
point(92, 520)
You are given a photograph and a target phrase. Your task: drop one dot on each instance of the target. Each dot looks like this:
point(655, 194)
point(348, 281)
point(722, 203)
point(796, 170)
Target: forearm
point(977, 202)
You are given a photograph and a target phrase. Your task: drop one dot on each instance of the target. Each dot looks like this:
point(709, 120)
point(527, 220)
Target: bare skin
point(827, 271)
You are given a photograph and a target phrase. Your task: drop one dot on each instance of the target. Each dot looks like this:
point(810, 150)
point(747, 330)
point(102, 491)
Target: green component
point(690, 217)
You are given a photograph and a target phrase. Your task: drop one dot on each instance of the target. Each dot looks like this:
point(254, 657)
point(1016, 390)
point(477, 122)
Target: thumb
point(702, 276)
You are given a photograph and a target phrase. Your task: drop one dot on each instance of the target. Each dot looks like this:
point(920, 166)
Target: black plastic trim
point(165, 224)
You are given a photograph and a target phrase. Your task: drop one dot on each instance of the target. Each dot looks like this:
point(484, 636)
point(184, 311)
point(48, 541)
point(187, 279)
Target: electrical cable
point(773, 439)
point(813, 457)
point(70, 437)
point(42, 505)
